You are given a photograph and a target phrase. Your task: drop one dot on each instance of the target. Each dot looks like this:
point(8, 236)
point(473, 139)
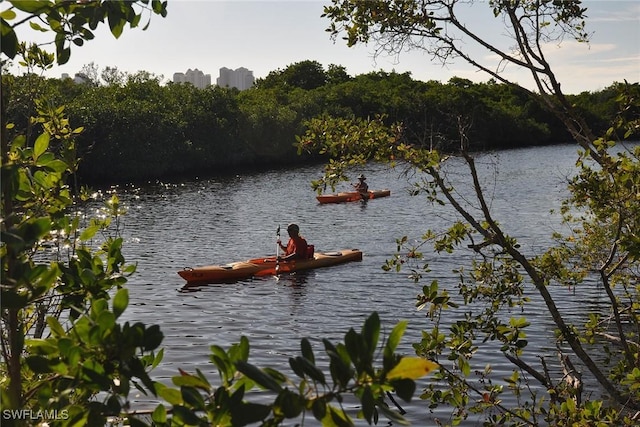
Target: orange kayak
point(264, 267)
point(352, 196)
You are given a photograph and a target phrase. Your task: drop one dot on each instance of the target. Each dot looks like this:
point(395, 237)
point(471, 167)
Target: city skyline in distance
point(266, 36)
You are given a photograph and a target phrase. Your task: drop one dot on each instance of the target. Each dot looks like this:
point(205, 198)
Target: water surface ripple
point(214, 221)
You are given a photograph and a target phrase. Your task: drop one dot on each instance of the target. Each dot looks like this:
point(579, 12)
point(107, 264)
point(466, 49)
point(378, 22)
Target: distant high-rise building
point(79, 78)
point(195, 77)
point(241, 78)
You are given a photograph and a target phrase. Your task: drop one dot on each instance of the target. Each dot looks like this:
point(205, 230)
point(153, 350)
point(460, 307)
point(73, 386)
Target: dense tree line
point(137, 129)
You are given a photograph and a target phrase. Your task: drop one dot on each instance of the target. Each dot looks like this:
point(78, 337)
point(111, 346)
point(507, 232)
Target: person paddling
point(296, 247)
point(362, 187)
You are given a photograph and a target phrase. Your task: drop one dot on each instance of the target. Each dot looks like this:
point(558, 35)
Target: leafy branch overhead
point(602, 212)
point(73, 22)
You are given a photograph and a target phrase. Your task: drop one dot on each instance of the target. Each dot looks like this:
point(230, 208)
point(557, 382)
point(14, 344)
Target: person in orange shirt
point(296, 247)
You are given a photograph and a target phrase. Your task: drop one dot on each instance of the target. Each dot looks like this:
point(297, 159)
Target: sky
point(267, 35)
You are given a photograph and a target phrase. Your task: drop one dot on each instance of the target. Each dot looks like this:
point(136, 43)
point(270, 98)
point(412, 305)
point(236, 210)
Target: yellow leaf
point(411, 368)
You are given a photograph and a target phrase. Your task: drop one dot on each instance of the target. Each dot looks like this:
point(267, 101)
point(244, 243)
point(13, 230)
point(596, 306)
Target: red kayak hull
point(352, 196)
point(264, 267)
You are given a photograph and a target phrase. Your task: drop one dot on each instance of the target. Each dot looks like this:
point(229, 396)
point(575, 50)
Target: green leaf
point(319, 408)
point(404, 388)
point(8, 14)
point(33, 6)
point(63, 53)
point(41, 145)
point(171, 395)
point(371, 332)
point(519, 322)
point(56, 165)
point(153, 336)
point(352, 342)
point(9, 39)
point(311, 370)
point(464, 366)
point(307, 351)
point(190, 380)
point(239, 351)
point(107, 321)
point(90, 231)
point(340, 365)
point(393, 416)
point(35, 229)
point(186, 415)
point(116, 22)
point(159, 414)
point(157, 359)
point(276, 375)
point(336, 417)
point(38, 364)
point(395, 337)
point(45, 158)
point(290, 403)
point(249, 413)
point(41, 346)
point(258, 376)
point(368, 404)
point(35, 26)
point(55, 326)
point(192, 397)
point(296, 367)
point(120, 302)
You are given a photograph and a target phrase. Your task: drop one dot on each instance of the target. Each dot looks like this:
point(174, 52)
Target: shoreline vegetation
point(137, 130)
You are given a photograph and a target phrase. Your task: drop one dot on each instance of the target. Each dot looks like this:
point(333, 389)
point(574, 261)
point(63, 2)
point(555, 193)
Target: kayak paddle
point(278, 250)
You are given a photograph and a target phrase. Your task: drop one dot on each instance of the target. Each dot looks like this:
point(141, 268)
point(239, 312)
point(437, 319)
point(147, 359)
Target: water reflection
point(296, 280)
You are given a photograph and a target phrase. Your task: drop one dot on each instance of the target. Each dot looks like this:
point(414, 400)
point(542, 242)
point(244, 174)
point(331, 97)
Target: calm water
point(215, 221)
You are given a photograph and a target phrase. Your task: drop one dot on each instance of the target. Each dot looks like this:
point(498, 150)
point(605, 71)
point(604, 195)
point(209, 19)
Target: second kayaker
point(362, 187)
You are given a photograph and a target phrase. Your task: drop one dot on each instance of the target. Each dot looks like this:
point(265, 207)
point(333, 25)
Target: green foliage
point(306, 75)
point(603, 214)
point(61, 343)
point(72, 22)
point(92, 353)
point(95, 355)
point(351, 371)
point(353, 142)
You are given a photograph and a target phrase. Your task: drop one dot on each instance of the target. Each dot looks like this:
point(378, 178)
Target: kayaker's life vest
point(310, 249)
